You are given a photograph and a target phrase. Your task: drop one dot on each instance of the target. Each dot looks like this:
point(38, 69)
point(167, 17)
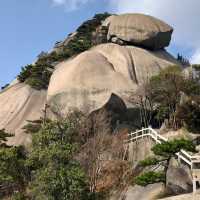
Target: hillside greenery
point(188, 115)
point(166, 93)
point(37, 75)
point(48, 170)
point(55, 173)
point(163, 153)
point(151, 177)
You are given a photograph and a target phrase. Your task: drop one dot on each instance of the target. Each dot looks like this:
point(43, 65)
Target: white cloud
point(183, 15)
point(59, 2)
point(70, 5)
point(195, 59)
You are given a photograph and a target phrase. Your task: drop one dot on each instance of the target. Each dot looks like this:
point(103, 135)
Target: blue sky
point(31, 26)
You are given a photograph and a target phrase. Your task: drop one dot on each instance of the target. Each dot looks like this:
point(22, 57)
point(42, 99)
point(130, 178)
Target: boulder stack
point(133, 53)
point(140, 30)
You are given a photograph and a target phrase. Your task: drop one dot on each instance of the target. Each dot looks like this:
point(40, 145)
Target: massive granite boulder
point(139, 29)
point(150, 192)
point(19, 103)
point(178, 178)
point(87, 81)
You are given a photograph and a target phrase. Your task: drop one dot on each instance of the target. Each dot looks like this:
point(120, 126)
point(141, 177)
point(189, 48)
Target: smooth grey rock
point(136, 192)
point(179, 178)
point(139, 29)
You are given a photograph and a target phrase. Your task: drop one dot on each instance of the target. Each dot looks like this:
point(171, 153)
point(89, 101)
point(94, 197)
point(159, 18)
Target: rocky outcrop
point(87, 81)
point(113, 111)
point(18, 104)
point(191, 196)
point(178, 178)
point(138, 29)
point(149, 192)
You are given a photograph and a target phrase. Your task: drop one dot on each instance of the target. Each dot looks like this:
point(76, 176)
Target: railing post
point(142, 132)
point(194, 185)
point(136, 135)
point(179, 157)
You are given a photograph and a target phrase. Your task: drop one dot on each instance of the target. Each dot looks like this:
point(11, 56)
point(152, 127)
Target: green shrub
point(33, 126)
point(56, 175)
point(5, 86)
point(149, 161)
point(170, 148)
point(150, 178)
point(13, 173)
point(165, 91)
point(38, 75)
point(18, 196)
point(188, 114)
point(4, 137)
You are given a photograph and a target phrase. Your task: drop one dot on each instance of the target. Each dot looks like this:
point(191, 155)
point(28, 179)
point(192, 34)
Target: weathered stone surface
point(139, 29)
point(114, 110)
point(19, 103)
point(87, 81)
point(179, 179)
point(149, 192)
point(190, 196)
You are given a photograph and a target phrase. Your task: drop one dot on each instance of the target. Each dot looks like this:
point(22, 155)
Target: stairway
point(192, 160)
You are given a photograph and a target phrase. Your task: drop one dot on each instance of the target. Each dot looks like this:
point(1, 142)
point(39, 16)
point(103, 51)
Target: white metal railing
point(149, 132)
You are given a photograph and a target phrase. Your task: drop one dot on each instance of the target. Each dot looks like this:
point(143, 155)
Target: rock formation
point(19, 103)
point(87, 81)
point(127, 50)
point(138, 29)
point(179, 178)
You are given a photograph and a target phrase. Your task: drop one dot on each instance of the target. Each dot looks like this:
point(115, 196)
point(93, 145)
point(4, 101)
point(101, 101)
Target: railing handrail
point(190, 159)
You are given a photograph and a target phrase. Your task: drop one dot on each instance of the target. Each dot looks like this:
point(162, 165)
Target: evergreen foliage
point(5, 86)
point(48, 170)
point(164, 151)
point(13, 173)
point(165, 90)
point(38, 75)
point(170, 148)
point(55, 173)
point(3, 137)
point(149, 161)
point(150, 178)
point(188, 115)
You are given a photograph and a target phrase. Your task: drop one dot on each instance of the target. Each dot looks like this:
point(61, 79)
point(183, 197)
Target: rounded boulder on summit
point(86, 80)
point(139, 29)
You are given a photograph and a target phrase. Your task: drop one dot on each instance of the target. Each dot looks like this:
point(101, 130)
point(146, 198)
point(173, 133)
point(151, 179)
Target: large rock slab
point(19, 103)
point(136, 192)
point(87, 81)
point(139, 29)
point(178, 178)
point(191, 196)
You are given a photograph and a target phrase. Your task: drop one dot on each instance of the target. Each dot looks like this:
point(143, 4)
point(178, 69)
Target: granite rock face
point(19, 103)
point(137, 192)
point(178, 178)
point(87, 81)
point(139, 29)
point(90, 80)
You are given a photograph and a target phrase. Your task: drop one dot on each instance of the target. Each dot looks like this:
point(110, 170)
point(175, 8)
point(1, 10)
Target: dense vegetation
point(55, 173)
point(188, 115)
point(49, 170)
point(163, 153)
point(37, 75)
point(168, 94)
point(13, 173)
point(150, 178)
